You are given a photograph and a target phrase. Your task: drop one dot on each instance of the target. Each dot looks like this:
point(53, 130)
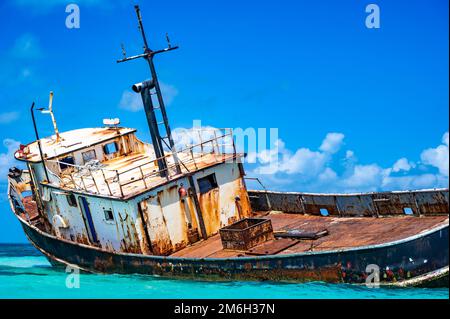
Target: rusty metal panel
point(156, 225)
point(286, 202)
point(389, 203)
point(358, 205)
point(432, 202)
point(171, 220)
point(313, 204)
point(365, 204)
point(126, 230)
point(210, 207)
point(175, 217)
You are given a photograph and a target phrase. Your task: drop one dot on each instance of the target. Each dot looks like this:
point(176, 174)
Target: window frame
point(64, 164)
point(86, 152)
point(116, 145)
point(107, 219)
point(72, 201)
point(212, 181)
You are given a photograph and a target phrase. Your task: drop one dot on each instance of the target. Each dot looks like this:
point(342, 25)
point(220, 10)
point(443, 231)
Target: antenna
point(50, 111)
point(124, 53)
point(168, 41)
point(145, 88)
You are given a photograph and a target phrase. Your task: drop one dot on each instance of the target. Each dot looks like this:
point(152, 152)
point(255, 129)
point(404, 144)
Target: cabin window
point(66, 162)
point(71, 200)
point(108, 214)
point(110, 148)
point(205, 184)
point(88, 156)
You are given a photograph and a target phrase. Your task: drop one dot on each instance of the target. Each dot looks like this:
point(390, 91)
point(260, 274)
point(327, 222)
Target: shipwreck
point(104, 201)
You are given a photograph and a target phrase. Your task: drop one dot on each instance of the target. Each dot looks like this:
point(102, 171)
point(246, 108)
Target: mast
point(145, 89)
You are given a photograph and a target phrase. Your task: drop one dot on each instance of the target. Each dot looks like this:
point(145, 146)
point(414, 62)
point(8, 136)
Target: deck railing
point(99, 179)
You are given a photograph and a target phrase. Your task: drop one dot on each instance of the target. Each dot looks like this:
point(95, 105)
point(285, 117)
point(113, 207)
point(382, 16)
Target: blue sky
point(356, 109)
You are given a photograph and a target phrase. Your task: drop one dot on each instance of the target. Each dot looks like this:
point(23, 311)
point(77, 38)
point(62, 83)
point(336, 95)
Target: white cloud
point(309, 170)
point(132, 101)
point(169, 92)
point(349, 160)
point(26, 47)
point(332, 143)
point(349, 154)
point(278, 159)
point(328, 175)
point(7, 159)
point(271, 155)
point(409, 182)
point(305, 162)
point(364, 178)
point(438, 157)
point(8, 117)
point(402, 165)
point(445, 139)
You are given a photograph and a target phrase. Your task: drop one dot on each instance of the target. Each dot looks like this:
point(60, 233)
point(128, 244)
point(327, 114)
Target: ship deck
point(343, 232)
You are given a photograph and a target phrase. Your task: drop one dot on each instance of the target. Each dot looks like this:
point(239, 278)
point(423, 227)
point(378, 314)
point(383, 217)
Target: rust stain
point(156, 225)
point(210, 206)
point(425, 202)
point(144, 244)
point(82, 239)
point(103, 264)
point(130, 242)
point(244, 201)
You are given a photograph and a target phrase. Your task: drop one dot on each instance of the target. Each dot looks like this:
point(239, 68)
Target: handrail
point(77, 166)
point(269, 205)
point(190, 157)
point(180, 151)
point(205, 142)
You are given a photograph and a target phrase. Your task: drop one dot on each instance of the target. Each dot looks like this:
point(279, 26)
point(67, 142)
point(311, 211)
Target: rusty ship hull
point(340, 266)
point(415, 258)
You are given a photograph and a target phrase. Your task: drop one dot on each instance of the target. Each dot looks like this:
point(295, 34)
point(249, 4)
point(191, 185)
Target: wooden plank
point(272, 247)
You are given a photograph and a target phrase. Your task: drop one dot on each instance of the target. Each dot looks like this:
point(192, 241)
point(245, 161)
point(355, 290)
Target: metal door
point(87, 217)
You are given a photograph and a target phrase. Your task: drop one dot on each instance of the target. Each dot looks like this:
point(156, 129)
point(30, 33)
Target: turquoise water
point(25, 273)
